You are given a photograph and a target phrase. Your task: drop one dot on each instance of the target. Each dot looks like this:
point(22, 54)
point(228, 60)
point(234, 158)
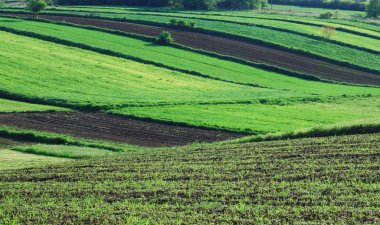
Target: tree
point(2, 3)
point(328, 31)
point(36, 6)
point(373, 9)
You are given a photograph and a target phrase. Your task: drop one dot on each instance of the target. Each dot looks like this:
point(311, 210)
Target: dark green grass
point(331, 180)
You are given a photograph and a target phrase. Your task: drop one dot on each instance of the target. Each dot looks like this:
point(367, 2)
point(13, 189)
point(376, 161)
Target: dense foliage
point(35, 6)
point(373, 9)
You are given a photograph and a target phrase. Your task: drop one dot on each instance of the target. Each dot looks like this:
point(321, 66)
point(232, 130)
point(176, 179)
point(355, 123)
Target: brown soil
point(236, 48)
point(113, 128)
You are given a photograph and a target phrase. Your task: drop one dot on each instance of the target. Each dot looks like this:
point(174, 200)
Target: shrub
point(165, 38)
point(326, 15)
point(182, 24)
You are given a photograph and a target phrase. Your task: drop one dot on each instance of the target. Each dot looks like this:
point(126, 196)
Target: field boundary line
point(20, 134)
point(227, 35)
point(264, 26)
point(271, 68)
point(120, 55)
point(365, 128)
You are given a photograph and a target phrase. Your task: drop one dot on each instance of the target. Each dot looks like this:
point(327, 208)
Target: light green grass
point(317, 47)
point(63, 151)
point(16, 160)
point(59, 74)
point(262, 119)
point(46, 137)
point(187, 60)
point(265, 20)
point(15, 106)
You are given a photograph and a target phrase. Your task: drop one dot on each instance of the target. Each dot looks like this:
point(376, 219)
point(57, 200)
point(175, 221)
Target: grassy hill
point(100, 126)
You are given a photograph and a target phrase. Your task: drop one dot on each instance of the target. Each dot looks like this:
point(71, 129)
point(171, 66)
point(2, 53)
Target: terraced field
point(318, 180)
point(249, 118)
point(268, 35)
point(236, 48)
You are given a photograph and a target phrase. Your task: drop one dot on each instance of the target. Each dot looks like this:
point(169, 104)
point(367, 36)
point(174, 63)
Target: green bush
point(165, 38)
point(182, 24)
point(326, 15)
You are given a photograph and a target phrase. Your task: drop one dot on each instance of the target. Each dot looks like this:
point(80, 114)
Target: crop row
point(348, 38)
point(353, 27)
point(176, 59)
point(302, 45)
point(307, 181)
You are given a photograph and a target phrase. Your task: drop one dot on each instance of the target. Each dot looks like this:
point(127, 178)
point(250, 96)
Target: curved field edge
point(311, 20)
point(313, 180)
point(110, 74)
point(35, 136)
point(212, 16)
point(7, 106)
point(263, 66)
point(11, 160)
point(64, 151)
point(311, 35)
point(197, 69)
point(300, 51)
point(258, 118)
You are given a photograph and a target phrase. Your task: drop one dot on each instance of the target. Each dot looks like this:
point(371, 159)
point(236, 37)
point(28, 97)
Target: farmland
point(317, 180)
point(268, 35)
point(247, 117)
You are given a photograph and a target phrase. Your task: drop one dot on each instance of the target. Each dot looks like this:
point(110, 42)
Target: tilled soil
point(237, 48)
point(114, 128)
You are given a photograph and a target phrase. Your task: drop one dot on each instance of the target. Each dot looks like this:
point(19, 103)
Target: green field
point(182, 59)
point(15, 106)
point(284, 22)
point(81, 77)
point(107, 84)
point(71, 152)
point(307, 181)
point(289, 150)
point(262, 118)
point(11, 160)
point(289, 40)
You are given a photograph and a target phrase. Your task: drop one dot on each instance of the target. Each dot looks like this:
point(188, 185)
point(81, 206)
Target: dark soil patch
point(114, 128)
point(236, 48)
